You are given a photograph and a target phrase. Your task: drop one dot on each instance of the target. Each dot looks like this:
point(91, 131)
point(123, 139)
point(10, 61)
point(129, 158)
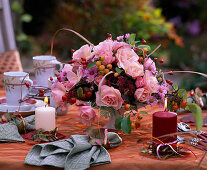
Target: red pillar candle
point(164, 123)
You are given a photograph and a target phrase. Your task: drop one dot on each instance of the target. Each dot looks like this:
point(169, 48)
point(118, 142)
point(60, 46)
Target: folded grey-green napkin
point(9, 131)
point(75, 153)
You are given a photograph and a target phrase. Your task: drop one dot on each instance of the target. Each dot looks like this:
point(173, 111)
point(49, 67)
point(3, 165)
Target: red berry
point(175, 107)
point(155, 59)
point(70, 62)
point(42, 91)
point(168, 81)
point(84, 62)
point(183, 104)
point(58, 78)
point(72, 100)
point(73, 61)
point(192, 93)
point(27, 84)
point(170, 72)
point(171, 83)
point(21, 100)
point(56, 74)
point(3, 120)
point(83, 59)
point(143, 42)
point(64, 97)
point(70, 94)
point(84, 96)
point(19, 115)
point(88, 94)
point(140, 59)
point(51, 78)
point(109, 36)
point(72, 50)
point(161, 61)
point(41, 94)
point(84, 66)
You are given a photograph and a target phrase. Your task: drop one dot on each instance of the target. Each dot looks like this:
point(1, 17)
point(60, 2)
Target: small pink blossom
point(149, 65)
point(139, 82)
point(133, 69)
point(151, 82)
point(127, 36)
point(120, 37)
point(110, 97)
point(142, 94)
point(58, 91)
point(83, 52)
point(105, 49)
point(87, 115)
point(98, 80)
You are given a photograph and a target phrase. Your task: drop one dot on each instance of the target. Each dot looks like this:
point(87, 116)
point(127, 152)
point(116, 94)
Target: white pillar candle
point(45, 118)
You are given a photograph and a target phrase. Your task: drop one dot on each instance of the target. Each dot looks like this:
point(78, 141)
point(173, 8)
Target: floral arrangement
point(115, 76)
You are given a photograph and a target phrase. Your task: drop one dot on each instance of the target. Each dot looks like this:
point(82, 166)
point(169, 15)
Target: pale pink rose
point(73, 78)
point(126, 54)
point(83, 52)
point(118, 45)
point(87, 115)
point(98, 79)
point(109, 97)
point(58, 91)
point(105, 49)
point(141, 94)
point(139, 82)
point(67, 68)
point(151, 82)
point(133, 69)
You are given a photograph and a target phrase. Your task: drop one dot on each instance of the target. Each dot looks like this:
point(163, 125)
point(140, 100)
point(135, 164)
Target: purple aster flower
point(176, 21)
point(163, 89)
point(90, 79)
point(127, 36)
point(91, 72)
point(120, 37)
point(150, 65)
point(162, 102)
point(152, 101)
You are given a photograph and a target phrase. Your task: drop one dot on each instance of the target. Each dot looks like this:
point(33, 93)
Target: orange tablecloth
point(126, 156)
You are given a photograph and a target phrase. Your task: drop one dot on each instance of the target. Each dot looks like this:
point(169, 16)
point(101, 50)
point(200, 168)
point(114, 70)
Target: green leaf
point(80, 92)
point(183, 94)
point(16, 7)
point(90, 65)
point(144, 46)
point(21, 37)
point(131, 38)
point(107, 111)
point(118, 70)
point(197, 114)
point(26, 18)
point(175, 87)
point(143, 112)
point(126, 125)
point(118, 122)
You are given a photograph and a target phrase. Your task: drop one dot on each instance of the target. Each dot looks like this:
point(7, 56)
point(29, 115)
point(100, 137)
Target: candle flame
point(46, 99)
point(165, 107)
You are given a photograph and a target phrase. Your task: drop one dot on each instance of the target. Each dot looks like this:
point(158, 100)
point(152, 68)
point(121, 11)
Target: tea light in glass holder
point(45, 117)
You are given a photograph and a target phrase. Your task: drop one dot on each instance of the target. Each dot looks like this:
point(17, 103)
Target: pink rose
point(110, 97)
point(141, 94)
point(105, 49)
point(139, 82)
point(133, 69)
point(87, 115)
point(98, 80)
point(118, 45)
point(151, 82)
point(126, 54)
point(83, 52)
point(58, 91)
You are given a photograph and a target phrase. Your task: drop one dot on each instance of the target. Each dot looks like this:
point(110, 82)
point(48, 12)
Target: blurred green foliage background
point(178, 25)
